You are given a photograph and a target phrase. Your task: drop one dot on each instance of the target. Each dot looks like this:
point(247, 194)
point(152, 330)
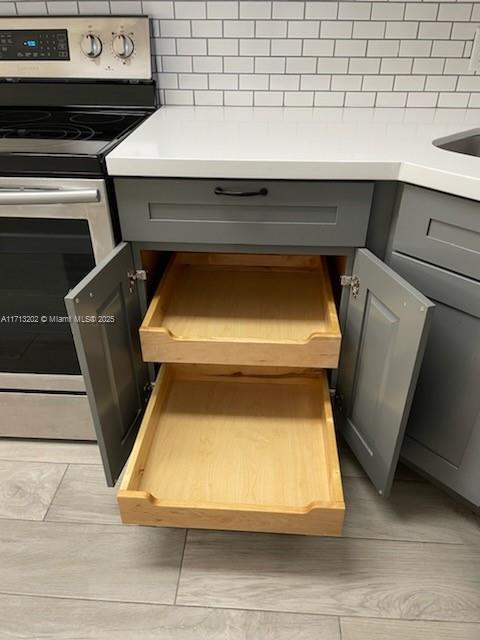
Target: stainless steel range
point(70, 89)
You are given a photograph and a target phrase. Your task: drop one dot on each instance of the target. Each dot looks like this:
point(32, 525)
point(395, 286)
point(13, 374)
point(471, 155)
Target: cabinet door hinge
point(351, 281)
point(133, 276)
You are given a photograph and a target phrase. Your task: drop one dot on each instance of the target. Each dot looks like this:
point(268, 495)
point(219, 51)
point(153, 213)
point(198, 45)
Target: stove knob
point(123, 46)
point(91, 45)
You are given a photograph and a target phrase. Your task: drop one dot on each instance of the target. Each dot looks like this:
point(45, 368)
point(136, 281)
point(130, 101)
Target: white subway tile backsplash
point(354, 48)
point(207, 64)
point(208, 98)
point(270, 65)
point(354, 10)
point(125, 7)
point(390, 53)
point(258, 9)
point(176, 96)
point(303, 28)
point(191, 46)
point(192, 81)
point(329, 98)
point(345, 83)
point(254, 81)
point(455, 11)
point(423, 99)
point(391, 99)
point(69, 8)
point(299, 98)
point(456, 100)
point(238, 64)
point(318, 47)
point(441, 83)
point(396, 65)
point(428, 65)
point(388, 10)
point(378, 83)
point(177, 63)
point(207, 28)
point(31, 8)
point(336, 29)
point(381, 48)
point(286, 47)
point(225, 9)
point(222, 47)
point(251, 47)
point(333, 65)
point(157, 9)
point(469, 83)
point(447, 49)
point(415, 48)
point(364, 65)
point(285, 83)
point(238, 98)
point(268, 98)
point(223, 81)
point(369, 29)
point(175, 28)
point(238, 28)
point(190, 9)
point(301, 65)
point(321, 10)
point(271, 29)
point(409, 83)
point(435, 30)
point(316, 82)
point(360, 98)
point(288, 10)
point(421, 11)
point(401, 30)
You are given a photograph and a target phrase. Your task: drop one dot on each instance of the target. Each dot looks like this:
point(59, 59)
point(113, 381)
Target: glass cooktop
point(63, 131)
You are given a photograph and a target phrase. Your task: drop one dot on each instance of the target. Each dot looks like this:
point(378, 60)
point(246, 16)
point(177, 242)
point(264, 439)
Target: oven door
point(52, 232)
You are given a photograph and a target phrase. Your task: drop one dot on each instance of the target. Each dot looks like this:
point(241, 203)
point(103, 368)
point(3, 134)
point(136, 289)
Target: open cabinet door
point(105, 316)
point(382, 349)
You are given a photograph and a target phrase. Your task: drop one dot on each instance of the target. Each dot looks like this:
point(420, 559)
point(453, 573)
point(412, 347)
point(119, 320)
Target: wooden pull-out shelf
point(243, 310)
point(251, 451)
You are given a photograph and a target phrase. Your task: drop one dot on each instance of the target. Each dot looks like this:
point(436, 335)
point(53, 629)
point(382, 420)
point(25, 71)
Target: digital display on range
point(34, 44)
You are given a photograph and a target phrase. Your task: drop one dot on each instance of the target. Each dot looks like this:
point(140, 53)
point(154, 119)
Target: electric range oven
point(70, 90)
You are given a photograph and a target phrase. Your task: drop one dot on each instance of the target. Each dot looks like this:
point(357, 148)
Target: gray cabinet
point(383, 338)
point(443, 433)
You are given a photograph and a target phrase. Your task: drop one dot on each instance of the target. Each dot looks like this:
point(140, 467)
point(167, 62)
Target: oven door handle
point(48, 196)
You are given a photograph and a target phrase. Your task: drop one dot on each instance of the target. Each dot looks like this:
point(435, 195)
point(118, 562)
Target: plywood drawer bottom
point(222, 450)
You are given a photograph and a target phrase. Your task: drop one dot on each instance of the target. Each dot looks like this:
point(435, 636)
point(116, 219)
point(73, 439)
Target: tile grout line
point(55, 494)
point(180, 567)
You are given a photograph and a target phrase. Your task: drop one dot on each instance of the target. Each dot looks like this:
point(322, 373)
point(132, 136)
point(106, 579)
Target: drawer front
point(250, 451)
point(290, 213)
point(441, 229)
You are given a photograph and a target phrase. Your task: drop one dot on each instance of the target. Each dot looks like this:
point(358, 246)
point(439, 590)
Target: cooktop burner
point(62, 124)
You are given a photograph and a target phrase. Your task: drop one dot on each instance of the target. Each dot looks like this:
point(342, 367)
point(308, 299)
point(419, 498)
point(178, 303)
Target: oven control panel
point(93, 47)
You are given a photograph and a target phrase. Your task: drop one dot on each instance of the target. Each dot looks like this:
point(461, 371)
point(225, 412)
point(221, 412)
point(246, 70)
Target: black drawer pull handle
point(240, 194)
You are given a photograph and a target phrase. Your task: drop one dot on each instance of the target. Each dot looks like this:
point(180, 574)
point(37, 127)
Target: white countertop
point(302, 144)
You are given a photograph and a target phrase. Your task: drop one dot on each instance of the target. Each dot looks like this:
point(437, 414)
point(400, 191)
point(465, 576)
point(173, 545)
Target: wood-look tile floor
point(407, 568)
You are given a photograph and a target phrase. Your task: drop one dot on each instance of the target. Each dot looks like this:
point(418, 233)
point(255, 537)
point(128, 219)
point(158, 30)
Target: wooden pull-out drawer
point(243, 310)
point(223, 449)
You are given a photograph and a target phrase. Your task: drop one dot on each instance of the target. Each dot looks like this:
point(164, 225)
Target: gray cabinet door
point(443, 431)
point(109, 354)
point(382, 348)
